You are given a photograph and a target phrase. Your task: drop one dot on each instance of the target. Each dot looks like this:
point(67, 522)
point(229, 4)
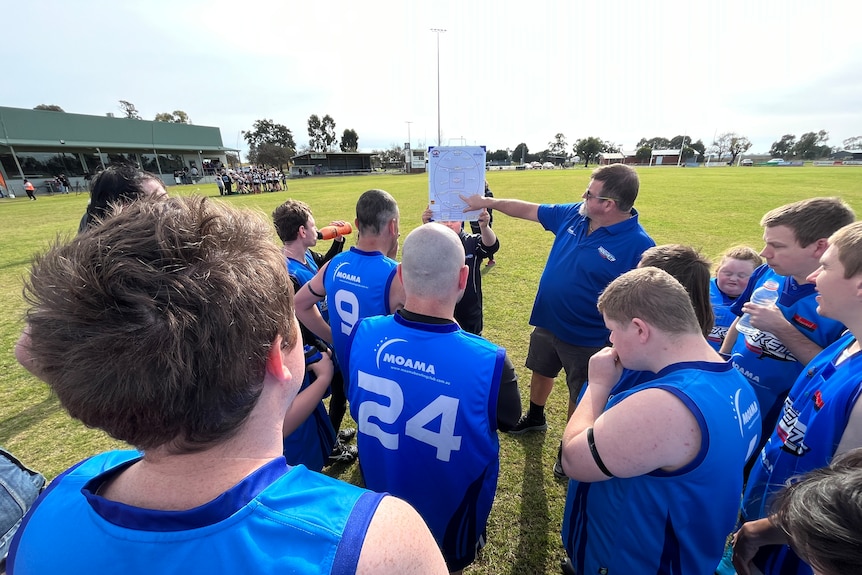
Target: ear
point(642, 327)
point(398, 274)
point(820, 247)
point(462, 277)
point(275, 362)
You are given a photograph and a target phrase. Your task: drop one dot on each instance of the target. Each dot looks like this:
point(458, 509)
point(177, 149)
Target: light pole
point(439, 132)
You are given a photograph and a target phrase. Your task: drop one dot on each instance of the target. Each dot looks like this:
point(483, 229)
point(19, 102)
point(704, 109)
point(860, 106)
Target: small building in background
point(330, 163)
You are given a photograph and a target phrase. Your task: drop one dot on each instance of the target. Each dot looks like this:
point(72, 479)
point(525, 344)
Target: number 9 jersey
point(357, 285)
point(424, 396)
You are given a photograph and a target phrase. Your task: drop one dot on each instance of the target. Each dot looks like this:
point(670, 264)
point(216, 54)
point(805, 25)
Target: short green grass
point(711, 209)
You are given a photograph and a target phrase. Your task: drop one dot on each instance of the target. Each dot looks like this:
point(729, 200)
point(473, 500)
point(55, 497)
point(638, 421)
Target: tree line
point(273, 144)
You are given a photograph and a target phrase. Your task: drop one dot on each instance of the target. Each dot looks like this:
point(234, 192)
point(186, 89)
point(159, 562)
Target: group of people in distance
point(171, 324)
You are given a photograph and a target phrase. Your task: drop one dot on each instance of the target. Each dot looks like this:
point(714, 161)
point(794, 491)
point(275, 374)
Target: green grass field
point(710, 209)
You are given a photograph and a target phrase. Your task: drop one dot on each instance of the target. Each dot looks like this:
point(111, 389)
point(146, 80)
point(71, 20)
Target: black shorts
point(548, 354)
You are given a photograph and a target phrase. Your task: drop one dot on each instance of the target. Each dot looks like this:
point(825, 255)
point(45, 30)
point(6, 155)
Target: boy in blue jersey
point(429, 397)
point(357, 283)
point(657, 468)
point(595, 241)
point(791, 332)
point(732, 273)
point(297, 230)
point(182, 342)
point(821, 417)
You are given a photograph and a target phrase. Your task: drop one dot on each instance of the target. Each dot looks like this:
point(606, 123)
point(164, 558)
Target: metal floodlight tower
point(439, 132)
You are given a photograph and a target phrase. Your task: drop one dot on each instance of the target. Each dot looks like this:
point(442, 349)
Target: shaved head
point(432, 260)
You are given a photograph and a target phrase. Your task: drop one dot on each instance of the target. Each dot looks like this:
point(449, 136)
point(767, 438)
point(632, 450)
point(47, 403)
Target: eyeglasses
point(587, 195)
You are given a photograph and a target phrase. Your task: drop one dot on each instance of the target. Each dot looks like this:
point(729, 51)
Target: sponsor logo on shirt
point(717, 334)
point(606, 254)
point(342, 274)
point(791, 431)
point(818, 400)
point(767, 346)
point(401, 362)
point(804, 323)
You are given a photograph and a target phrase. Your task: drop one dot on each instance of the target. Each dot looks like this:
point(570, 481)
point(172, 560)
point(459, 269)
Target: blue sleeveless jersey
point(579, 267)
point(812, 422)
point(670, 522)
point(424, 397)
point(303, 272)
point(721, 303)
point(357, 285)
point(766, 362)
point(277, 520)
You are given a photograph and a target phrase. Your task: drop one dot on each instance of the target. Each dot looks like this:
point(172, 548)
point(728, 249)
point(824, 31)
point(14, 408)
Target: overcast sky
point(510, 72)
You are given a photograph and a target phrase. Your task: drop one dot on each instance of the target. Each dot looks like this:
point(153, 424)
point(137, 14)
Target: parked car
point(548, 166)
point(747, 162)
point(775, 161)
point(536, 165)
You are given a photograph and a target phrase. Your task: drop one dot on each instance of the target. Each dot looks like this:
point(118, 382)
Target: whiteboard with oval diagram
point(454, 171)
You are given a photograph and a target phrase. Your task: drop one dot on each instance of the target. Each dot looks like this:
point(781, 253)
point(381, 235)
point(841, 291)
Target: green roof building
point(40, 144)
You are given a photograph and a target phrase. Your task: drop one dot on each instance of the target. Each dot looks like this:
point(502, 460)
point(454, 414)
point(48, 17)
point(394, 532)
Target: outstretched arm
point(514, 208)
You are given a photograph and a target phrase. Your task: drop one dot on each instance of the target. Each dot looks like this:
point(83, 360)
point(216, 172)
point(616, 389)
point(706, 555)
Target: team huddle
point(178, 326)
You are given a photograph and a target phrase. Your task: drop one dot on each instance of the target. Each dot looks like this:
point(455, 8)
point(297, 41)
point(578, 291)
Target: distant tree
point(644, 154)
point(700, 148)
point(232, 159)
point(392, 158)
point(721, 145)
point(738, 145)
point(810, 145)
point(689, 149)
point(498, 156)
point(49, 108)
point(349, 141)
point(854, 143)
point(557, 147)
point(272, 155)
point(176, 117)
point(329, 137)
point(783, 148)
point(656, 143)
point(610, 147)
point(519, 155)
point(321, 133)
point(315, 141)
point(268, 132)
point(129, 110)
point(588, 148)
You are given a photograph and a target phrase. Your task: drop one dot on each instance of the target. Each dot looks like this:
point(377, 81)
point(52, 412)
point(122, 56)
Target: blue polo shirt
point(579, 267)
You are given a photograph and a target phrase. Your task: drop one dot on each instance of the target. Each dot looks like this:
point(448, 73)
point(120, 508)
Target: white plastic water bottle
point(765, 295)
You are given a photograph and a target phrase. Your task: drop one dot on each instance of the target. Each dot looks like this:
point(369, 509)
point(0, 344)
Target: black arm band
point(314, 293)
point(595, 452)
